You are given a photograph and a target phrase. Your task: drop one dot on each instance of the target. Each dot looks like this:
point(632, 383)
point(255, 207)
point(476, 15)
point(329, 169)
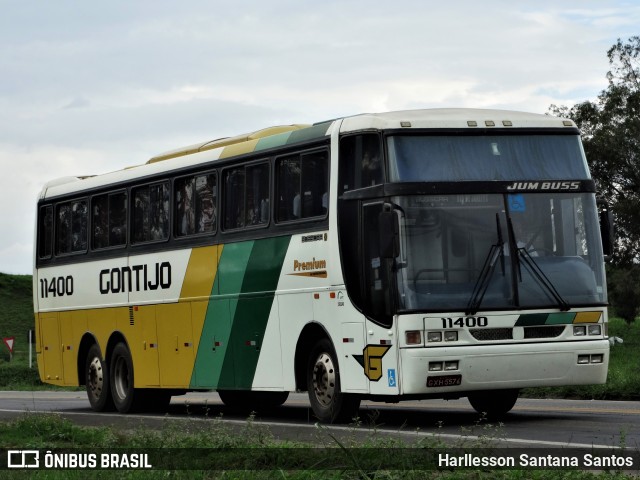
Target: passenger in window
point(264, 210)
point(371, 169)
point(100, 227)
point(187, 225)
point(296, 205)
point(207, 220)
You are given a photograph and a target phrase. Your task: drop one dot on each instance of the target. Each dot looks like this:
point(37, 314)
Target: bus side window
point(151, 212)
point(109, 220)
point(288, 188)
point(302, 186)
point(360, 162)
point(100, 221)
point(71, 227)
point(117, 219)
point(195, 204)
point(246, 196)
point(257, 194)
point(45, 232)
point(206, 209)
point(234, 198)
point(314, 184)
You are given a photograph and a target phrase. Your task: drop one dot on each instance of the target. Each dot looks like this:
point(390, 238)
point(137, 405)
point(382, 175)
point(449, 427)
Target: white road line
point(319, 428)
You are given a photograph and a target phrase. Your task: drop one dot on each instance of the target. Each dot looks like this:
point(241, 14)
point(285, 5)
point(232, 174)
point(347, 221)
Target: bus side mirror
point(607, 229)
point(389, 231)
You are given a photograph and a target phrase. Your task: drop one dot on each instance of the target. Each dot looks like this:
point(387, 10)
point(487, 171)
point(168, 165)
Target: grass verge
point(250, 452)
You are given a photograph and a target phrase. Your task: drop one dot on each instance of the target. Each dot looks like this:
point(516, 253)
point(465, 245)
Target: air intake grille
point(489, 334)
point(131, 321)
point(544, 332)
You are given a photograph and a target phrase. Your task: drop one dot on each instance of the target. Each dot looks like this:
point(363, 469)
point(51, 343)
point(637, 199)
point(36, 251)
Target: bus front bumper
point(489, 367)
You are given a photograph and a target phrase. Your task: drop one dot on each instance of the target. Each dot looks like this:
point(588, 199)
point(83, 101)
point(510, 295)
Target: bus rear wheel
point(97, 381)
point(328, 402)
point(126, 398)
point(494, 403)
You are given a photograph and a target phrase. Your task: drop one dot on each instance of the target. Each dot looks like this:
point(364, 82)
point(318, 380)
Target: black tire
point(328, 402)
point(97, 381)
point(252, 401)
point(494, 403)
point(125, 397)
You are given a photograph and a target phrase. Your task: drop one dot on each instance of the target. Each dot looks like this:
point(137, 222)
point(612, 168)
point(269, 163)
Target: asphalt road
point(532, 423)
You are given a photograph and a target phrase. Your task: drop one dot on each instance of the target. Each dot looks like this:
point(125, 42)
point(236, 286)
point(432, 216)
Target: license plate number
point(444, 381)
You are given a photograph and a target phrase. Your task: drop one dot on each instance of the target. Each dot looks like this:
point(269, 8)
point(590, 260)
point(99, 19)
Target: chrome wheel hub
point(324, 379)
point(95, 377)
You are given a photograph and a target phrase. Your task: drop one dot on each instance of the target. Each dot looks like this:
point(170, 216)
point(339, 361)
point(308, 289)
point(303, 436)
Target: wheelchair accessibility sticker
point(391, 376)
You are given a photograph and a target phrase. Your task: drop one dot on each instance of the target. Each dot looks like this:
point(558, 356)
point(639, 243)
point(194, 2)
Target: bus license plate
point(444, 381)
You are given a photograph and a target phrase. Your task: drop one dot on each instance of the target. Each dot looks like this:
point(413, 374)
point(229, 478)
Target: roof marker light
point(490, 123)
point(567, 123)
point(472, 123)
point(405, 124)
point(507, 123)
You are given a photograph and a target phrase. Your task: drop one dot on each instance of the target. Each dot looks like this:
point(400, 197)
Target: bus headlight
point(433, 337)
point(451, 336)
point(579, 330)
point(595, 330)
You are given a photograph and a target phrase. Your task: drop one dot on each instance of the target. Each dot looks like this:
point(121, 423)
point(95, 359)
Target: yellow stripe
point(587, 317)
point(239, 149)
point(200, 274)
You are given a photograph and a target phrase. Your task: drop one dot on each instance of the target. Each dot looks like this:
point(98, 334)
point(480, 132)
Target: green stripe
point(217, 325)
point(560, 318)
point(530, 319)
point(247, 277)
point(310, 133)
point(273, 141)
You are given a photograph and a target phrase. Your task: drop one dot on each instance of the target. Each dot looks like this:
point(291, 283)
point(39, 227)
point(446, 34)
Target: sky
point(92, 87)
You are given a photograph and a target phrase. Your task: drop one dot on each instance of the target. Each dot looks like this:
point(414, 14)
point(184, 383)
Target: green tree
point(610, 127)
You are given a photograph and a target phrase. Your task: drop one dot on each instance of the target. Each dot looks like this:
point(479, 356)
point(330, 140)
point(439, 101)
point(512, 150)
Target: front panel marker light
point(434, 337)
point(583, 359)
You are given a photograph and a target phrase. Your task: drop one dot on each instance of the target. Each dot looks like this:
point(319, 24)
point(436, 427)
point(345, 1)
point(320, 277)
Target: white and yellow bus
point(392, 256)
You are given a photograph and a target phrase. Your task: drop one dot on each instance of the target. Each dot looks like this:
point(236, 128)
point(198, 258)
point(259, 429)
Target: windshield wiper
point(482, 284)
point(536, 272)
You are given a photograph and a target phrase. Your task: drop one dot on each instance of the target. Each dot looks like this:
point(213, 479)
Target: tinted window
point(195, 204)
point(109, 217)
point(151, 213)
point(45, 231)
point(246, 195)
point(71, 227)
point(302, 187)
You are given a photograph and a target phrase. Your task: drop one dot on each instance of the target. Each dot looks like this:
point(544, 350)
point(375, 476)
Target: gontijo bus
point(392, 256)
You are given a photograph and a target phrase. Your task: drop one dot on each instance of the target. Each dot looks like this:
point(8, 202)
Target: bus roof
point(454, 118)
point(459, 118)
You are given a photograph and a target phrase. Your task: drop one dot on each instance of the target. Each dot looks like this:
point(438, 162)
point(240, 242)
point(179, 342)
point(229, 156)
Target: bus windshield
point(451, 158)
point(499, 251)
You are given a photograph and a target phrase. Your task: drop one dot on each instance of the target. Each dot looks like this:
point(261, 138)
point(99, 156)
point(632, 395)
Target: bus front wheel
point(494, 403)
point(328, 402)
point(125, 397)
point(97, 381)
